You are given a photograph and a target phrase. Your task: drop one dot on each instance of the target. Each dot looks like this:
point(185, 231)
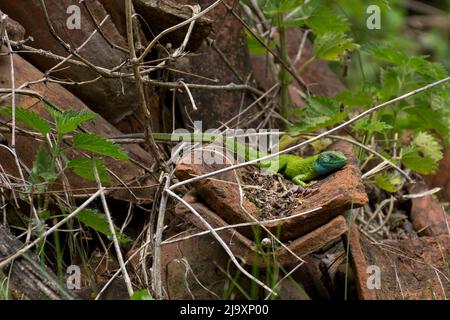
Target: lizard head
point(330, 161)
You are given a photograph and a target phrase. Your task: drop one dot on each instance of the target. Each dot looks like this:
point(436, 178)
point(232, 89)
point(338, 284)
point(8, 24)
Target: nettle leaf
point(256, 48)
point(390, 83)
point(385, 52)
point(322, 20)
point(94, 143)
point(412, 159)
point(421, 117)
point(28, 118)
point(391, 182)
point(84, 167)
point(372, 126)
point(276, 7)
point(360, 98)
point(318, 113)
point(43, 166)
point(425, 67)
point(428, 145)
point(69, 120)
point(332, 45)
point(141, 295)
point(98, 222)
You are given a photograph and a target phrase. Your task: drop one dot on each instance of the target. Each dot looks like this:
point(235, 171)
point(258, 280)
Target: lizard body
point(298, 169)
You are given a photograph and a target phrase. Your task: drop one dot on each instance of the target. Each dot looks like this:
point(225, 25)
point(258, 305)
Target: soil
point(266, 192)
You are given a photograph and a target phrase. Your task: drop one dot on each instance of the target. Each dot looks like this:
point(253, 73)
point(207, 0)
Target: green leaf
point(332, 45)
point(255, 47)
point(44, 215)
point(385, 52)
point(428, 145)
point(94, 143)
point(423, 117)
point(276, 7)
point(43, 166)
point(84, 167)
point(412, 159)
point(141, 295)
point(390, 83)
point(319, 112)
point(28, 118)
point(391, 182)
point(360, 98)
point(323, 20)
point(69, 120)
point(422, 66)
point(98, 222)
point(372, 126)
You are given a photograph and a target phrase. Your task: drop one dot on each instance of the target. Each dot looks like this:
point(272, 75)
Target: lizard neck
point(319, 169)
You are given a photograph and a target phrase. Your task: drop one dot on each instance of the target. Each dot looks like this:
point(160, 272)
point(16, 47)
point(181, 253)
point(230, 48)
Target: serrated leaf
point(255, 47)
point(422, 117)
point(390, 83)
point(69, 120)
point(98, 222)
point(84, 167)
point(332, 45)
point(141, 295)
point(385, 52)
point(360, 98)
point(276, 7)
point(319, 112)
point(372, 126)
point(322, 20)
point(43, 166)
point(390, 182)
point(28, 118)
point(412, 159)
point(94, 143)
point(425, 67)
point(428, 145)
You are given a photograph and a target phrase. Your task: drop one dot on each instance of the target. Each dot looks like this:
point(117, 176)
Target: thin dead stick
point(140, 87)
point(175, 27)
point(239, 225)
point(77, 49)
point(220, 240)
point(194, 106)
point(156, 268)
point(421, 194)
point(13, 129)
point(6, 261)
point(318, 137)
point(112, 230)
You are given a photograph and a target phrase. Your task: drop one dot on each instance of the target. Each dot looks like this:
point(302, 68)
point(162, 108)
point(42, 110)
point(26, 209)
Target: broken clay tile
point(163, 14)
point(230, 63)
point(15, 30)
point(113, 98)
point(406, 269)
point(427, 214)
point(334, 194)
point(190, 269)
point(245, 248)
point(442, 178)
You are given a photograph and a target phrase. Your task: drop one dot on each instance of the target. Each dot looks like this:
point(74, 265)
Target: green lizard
point(299, 170)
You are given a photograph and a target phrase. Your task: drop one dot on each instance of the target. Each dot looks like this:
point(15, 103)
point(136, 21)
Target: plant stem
point(284, 77)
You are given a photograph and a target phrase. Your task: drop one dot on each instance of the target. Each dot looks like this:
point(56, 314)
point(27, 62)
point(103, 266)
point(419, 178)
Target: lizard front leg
point(303, 180)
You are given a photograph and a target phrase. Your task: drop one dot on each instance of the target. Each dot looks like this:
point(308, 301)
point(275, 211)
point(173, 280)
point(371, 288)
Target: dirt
point(266, 192)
